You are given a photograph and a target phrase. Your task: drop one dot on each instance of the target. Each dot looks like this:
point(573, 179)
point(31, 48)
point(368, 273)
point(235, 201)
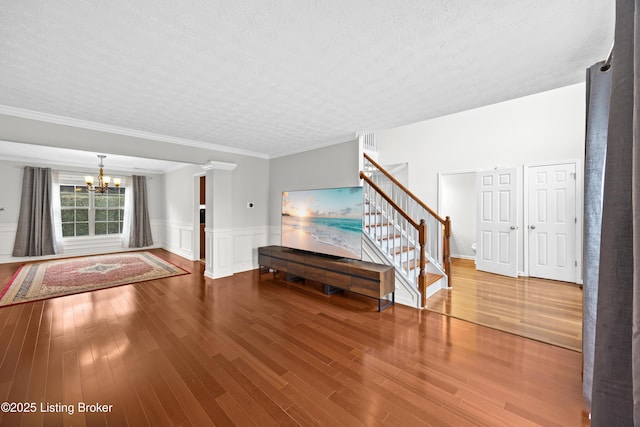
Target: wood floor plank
point(194, 411)
point(264, 383)
point(253, 409)
point(540, 309)
point(236, 411)
point(263, 400)
point(317, 403)
point(251, 350)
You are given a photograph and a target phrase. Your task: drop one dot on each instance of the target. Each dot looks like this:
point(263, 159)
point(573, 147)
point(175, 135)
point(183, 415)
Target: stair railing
point(437, 229)
point(387, 221)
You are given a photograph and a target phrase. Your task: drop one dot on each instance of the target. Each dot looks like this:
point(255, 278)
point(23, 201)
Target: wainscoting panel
point(7, 237)
point(157, 232)
point(275, 235)
point(222, 252)
point(246, 242)
point(208, 266)
point(96, 244)
point(179, 239)
point(186, 240)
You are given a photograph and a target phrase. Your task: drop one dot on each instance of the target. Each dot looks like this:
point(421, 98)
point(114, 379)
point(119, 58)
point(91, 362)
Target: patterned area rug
point(48, 279)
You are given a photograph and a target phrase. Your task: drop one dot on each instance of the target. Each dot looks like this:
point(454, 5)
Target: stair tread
point(432, 278)
point(402, 249)
point(412, 265)
point(396, 236)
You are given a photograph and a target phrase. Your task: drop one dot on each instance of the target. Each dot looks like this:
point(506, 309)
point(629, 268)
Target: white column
point(218, 222)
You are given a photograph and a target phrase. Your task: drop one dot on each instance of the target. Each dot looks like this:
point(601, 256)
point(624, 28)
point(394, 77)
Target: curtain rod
point(607, 62)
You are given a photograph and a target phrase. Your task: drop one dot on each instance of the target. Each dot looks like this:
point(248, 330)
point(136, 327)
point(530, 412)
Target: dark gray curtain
point(598, 95)
point(35, 235)
point(140, 234)
point(616, 371)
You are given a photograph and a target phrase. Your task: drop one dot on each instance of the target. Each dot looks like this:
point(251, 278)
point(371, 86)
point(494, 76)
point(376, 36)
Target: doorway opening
point(200, 201)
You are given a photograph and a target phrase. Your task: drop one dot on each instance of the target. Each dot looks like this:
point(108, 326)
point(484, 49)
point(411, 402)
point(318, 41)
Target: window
point(74, 203)
point(109, 211)
point(85, 213)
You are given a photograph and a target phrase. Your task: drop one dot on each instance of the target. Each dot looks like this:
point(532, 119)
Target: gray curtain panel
point(616, 370)
point(598, 95)
point(140, 234)
point(35, 235)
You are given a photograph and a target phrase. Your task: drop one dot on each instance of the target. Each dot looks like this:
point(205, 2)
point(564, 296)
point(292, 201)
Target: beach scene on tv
point(327, 221)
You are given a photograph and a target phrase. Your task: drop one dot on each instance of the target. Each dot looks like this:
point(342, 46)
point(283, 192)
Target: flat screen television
point(324, 221)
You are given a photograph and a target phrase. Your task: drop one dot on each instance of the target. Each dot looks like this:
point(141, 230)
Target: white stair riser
point(390, 249)
point(373, 219)
point(379, 230)
point(389, 245)
point(392, 242)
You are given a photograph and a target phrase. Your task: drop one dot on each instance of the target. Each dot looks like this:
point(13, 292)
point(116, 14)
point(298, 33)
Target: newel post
point(422, 278)
point(446, 250)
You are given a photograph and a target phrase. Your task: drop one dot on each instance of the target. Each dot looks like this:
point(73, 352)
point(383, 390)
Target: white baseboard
point(179, 252)
point(470, 257)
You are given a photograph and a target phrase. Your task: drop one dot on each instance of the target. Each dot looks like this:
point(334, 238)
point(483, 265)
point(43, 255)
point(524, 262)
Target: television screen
point(327, 221)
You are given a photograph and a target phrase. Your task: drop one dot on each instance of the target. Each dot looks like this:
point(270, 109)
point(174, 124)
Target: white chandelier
point(103, 181)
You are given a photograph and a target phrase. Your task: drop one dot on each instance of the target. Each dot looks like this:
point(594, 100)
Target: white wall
point(179, 208)
point(544, 127)
point(458, 201)
point(235, 229)
point(11, 177)
point(332, 166)
point(537, 128)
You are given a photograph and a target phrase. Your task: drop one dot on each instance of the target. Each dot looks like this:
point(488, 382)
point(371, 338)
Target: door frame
point(579, 209)
point(196, 216)
point(442, 195)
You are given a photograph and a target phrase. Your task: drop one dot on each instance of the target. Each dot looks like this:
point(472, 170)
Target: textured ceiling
point(270, 77)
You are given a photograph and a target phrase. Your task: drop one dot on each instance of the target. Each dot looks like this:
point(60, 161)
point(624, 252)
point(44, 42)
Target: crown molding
point(212, 164)
point(101, 127)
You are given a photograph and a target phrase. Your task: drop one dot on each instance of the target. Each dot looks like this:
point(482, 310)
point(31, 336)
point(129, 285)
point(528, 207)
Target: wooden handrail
point(421, 227)
point(403, 188)
point(405, 215)
point(422, 237)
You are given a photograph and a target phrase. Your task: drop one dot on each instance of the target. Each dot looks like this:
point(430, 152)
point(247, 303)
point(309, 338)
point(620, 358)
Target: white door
point(552, 222)
point(497, 230)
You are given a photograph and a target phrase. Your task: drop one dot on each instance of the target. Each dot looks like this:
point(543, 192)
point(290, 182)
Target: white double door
point(550, 221)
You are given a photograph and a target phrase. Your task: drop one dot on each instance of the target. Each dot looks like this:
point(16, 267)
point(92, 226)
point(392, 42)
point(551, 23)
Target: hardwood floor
point(242, 351)
point(540, 309)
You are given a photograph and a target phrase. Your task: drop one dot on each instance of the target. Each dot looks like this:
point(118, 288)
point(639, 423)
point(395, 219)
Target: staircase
point(402, 231)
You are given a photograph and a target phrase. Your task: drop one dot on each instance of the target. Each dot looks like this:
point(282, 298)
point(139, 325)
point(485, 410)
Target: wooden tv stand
point(365, 278)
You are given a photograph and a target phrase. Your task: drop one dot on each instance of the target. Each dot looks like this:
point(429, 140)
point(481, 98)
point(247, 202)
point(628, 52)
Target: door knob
point(513, 227)
point(532, 227)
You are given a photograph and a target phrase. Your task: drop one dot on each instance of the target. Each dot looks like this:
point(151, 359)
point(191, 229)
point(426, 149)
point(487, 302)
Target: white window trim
point(66, 179)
